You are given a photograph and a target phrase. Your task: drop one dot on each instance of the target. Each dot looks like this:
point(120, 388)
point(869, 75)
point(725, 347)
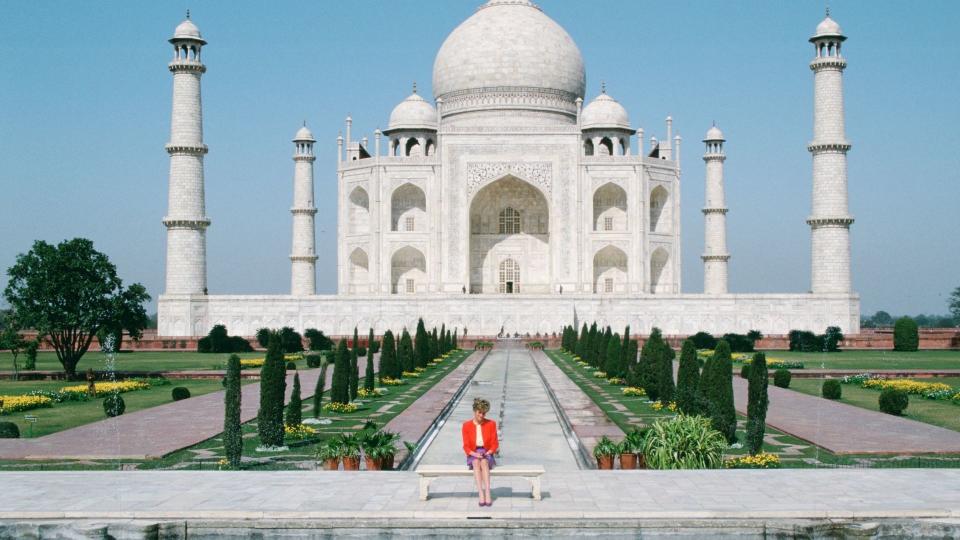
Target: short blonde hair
point(481, 405)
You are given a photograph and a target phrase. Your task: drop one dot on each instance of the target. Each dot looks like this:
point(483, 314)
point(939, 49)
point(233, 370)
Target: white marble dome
point(604, 112)
point(827, 28)
point(304, 135)
point(512, 44)
point(187, 30)
point(413, 113)
point(714, 134)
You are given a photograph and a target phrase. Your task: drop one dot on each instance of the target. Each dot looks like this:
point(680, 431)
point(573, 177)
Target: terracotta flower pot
point(628, 461)
point(641, 461)
point(351, 463)
point(373, 464)
point(386, 463)
point(332, 464)
point(605, 462)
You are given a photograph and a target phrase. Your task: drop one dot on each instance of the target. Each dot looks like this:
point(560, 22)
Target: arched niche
point(660, 214)
point(610, 271)
point(660, 274)
point(509, 218)
point(610, 208)
point(358, 214)
point(408, 271)
point(359, 270)
point(408, 209)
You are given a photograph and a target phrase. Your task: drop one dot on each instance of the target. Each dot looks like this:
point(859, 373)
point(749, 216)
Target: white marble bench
point(530, 473)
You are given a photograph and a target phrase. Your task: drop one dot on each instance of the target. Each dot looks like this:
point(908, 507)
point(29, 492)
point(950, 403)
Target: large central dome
point(509, 46)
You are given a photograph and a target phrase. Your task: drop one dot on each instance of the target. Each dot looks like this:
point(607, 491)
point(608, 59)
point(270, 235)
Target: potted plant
point(350, 445)
point(388, 449)
point(631, 450)
point(329, 453)
point(604, 452)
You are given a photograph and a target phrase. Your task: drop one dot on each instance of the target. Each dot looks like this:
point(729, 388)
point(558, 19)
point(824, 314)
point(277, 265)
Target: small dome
point(187, 30)
point(828, 28)
point(714, 134)
point(604, 112)
point(304, 135)
point(413, 113)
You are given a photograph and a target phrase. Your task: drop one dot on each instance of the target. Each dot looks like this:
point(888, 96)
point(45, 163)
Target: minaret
point(186, 219)
point(715, 254)
point(830, 219)
point(303, 257)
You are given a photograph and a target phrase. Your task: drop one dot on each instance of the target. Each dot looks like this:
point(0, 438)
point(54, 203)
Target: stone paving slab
point(749, 494)
point(846, 429)
point(154, 432)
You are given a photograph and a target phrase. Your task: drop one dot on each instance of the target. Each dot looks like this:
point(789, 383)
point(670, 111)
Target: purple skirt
point(489, 457)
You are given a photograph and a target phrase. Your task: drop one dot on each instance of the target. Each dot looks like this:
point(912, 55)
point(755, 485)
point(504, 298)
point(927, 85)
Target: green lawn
point(71, 414)
point(131, 361)
point(939, 413)
point(872, 360)
point(793, 452)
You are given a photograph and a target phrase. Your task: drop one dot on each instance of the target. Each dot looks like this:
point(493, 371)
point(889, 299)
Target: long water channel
point(530, 431)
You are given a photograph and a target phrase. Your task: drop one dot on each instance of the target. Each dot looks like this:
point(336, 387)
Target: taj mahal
point(508, 202)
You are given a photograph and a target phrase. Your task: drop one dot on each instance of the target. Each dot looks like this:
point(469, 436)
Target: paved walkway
point(845, 429)
point(154, 432)
point(570, 495)
point(529, 430)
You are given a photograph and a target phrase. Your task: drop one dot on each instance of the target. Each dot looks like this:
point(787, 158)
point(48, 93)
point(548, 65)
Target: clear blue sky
point(85, 105)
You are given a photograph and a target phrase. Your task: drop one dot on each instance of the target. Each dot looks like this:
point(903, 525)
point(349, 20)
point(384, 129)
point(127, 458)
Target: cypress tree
point(453, 344)
point(624, 351)
point(318, 389)
point(688, 379)
point(757, 402)
point(719, 392)
point(354, 381)
point(272, 387)
point(340, 386)
point(591, 346)
point(443, 340)
point(388, 356)
point(434, 345)
point(602, 352)
point(612, 367)
point(368, 378)
point(232, 432)
point(405, 352)
point(650, 364)
point(420, 346)
point(582, 341)
point(665, 374)
point(294, 416)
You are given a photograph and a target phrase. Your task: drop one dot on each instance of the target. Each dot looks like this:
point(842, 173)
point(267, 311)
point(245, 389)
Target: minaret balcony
point(837, 221)
point(187, 149)
point(828, 148)
point(828, 62)
point(182, 223)
point(714, 210)
point(186, 66)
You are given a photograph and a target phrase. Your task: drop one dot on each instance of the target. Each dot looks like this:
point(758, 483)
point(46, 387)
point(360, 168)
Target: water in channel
point(530, 432)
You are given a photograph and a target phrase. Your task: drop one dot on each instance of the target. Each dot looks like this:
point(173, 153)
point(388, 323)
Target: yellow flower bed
point(633, 391)
point(102, 388)
point(763, 460)
point(659, 406)
point(390, 381)
point(600, 374)
point(419, 369)
point(376, 392)
point(10, 404)
point(340, 407)
point(299, 432)
point(293, 357)
point(410, 374)
point(251, 362)
point(906, 385)
point(616, 380)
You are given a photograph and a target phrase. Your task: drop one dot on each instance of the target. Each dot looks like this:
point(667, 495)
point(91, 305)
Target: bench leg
point(424, 487)
point(535, 485)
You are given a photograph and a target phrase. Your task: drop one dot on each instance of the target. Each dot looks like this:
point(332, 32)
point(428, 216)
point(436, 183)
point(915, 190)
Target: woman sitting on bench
point(480, 444)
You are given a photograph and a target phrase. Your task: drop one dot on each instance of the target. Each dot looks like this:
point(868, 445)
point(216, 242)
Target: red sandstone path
point(154, 432)
point(845, 429)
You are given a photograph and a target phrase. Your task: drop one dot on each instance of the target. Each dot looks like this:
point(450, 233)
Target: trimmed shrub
point(804, 341)
point(893, 401)
point(832, 339)
point(684, 442)
point(9, 430)
point(739, 342)
point(263, 337)
point(291, 366)
point(318, 341)
point(294, 413)
point(218, 341)
point(113, 405)
point(361, 351)
point(704, 340)
point(688, 379)
point(781, 378)
point(745, 371)
point(757, 402)
point(313, 359)
point(180, 392)
point(232, 433)
point(831, 389)
point(906, 336)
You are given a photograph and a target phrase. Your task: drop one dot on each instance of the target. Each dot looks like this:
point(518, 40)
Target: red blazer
point(489, 430)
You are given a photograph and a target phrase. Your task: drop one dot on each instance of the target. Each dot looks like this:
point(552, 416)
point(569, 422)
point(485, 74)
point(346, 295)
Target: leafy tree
point(405, 352)
point(273, 386)
point(294, 415)
point(340, 386)
point(704, 340)
point(318, 389)
point(291, 339)
point(832, 339)
point(128, 315)
point(612, 366)
point(232, 433)
point(882, 318)
point(906, 336)
point(217, 341)
point(688, 379)
point(354, 381)
point(368, 374)
point(263, 337)
point(317, 341)
point(10, 340)
point(70, 292)
point(757, 403)
point(954, 304)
